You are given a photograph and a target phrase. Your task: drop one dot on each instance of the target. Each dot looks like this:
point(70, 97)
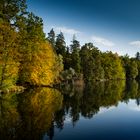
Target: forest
point(30, 57)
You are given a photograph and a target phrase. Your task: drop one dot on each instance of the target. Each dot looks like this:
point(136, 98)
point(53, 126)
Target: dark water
point(100, 111)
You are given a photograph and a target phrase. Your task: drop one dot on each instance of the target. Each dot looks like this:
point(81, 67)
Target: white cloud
point(103, 110)
point(102, 41)
point(67, 119)
point(67, 30)
point(135, 108)
point(135, 43)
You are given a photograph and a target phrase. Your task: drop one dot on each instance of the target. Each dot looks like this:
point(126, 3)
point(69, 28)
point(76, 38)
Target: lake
point(98, 111)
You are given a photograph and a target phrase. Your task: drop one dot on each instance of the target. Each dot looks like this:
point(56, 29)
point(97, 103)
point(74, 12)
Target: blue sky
point(112, 25)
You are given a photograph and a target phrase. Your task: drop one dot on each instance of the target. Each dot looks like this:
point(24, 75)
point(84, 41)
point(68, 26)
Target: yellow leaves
point(42, 66)
point(43, 104)
point(34, 109)
point(8, 55)
point(38, 62)
point(47, 98)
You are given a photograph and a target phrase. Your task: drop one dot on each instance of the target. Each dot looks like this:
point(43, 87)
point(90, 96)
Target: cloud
point(135, 43)
point(104, 110)
point(67, 30)
point(102, 41)
point(135, 108)
point(67, 119)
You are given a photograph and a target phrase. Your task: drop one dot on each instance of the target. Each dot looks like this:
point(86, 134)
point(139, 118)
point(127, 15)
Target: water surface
point(100, 111)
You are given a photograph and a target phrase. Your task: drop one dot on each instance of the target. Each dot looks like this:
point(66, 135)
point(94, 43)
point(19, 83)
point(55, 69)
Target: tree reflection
point(9, 117)
point(32, 114)
point(132, 91)
point(36, 113)
point(102, 94)
point(87, 100)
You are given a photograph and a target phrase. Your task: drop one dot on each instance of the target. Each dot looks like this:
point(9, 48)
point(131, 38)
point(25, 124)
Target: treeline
point(26, 57)
point(92, 63)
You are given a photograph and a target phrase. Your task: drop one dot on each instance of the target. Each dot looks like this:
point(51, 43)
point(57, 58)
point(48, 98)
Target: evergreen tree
point(10, 10)
point(138, 56)
point(51, 37)
point(68, 59)
point(60, 45)
point(75, 48)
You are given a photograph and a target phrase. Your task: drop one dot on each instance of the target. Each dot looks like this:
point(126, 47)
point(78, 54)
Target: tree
point(44, 67)
point(68, 59)
point(91, 63)
point(113, 66)
point(51, 37)
point(75, 48)
point(38, 61)
point(86, 60)
point(132, 70)
point(11, 9)
point(8, 56)
point(138, 56)
point(60, 45)
point(138, 67)
point(131, 67)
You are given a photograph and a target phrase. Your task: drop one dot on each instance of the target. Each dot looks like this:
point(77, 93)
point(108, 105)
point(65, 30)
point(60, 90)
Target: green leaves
point(75, 56)
point(91, 63)
point(60, 45)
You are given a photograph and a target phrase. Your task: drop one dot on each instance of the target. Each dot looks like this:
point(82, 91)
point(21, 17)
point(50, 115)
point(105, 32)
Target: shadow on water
point(36, 113)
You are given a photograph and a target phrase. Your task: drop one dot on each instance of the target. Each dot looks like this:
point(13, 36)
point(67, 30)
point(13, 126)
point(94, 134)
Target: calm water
point(101, 111)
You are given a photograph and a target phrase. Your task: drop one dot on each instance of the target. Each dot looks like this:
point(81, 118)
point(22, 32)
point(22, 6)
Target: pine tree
point(51, 37)
point(60, 45)
point(138, 56)
point(75, 48)
point(68, 59)
point(10, 10)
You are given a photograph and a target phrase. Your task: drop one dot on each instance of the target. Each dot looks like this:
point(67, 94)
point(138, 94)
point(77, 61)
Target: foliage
point(60, 45)
point(39, 61)
point(75, 56)
point(41, 70)
point(51, 37)
point(8, 55)
point(132, 70)
point(11, 9)
point(113, 67)
point(40, 65)
point(131, 67)
point(24, 48)
point(91, 62)
point(67, 74)
point(30, 112)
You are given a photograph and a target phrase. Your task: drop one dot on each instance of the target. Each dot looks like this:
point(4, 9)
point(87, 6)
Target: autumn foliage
point(26, 57)
point(8, 55)
point(43, 68)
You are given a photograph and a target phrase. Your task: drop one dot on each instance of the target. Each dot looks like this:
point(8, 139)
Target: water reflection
point(29, 115)
point(94, 96)
point(40, 113)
